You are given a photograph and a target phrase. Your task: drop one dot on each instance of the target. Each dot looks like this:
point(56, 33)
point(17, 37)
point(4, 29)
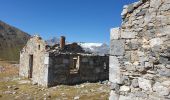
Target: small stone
point(9, 87)
point(155, 3)
point(114, 33)
point(166, 83)
point(164, 72)
point(24, 82)
point(124, 88)
point(155, 41)
point(145, 84)
point(140, 94)
point(130, 67)
point(35, 83)
point(76, 98)
point(148, 65)
point(160, 89)
point(16, 88)
point(8, 92)
point(128, 35)
point(113, 96)
point(135, 83)
point(130, 8)
point(114, 86)
point(141, 13)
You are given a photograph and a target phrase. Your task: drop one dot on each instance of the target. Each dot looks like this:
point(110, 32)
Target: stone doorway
point(30, 66)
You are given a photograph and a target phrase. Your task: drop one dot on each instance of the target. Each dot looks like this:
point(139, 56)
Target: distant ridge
point(12, 41)
point(95, 48)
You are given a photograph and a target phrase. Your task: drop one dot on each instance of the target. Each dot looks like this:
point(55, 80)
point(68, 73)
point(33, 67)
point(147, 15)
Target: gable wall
point(40, 69)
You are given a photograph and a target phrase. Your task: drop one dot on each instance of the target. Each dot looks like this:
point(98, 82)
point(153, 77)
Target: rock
point(149, 17)
point(122, 97)
point(1, 68)
point(9, 87)
point(163, 60)
point(145, 84)
point(128, 35)
point(24, 82)
point(135, 83)
point(76, 98)
point(113, 96)
point(155, 41)
point(141, 13)
point(148, 65)
point(65, 61)
point(133, 45)
point(35, 83)
point(130, 67)
point(155, 3)
point(84, 60)
point(124, 12)
point(125, 80)
point(8, 92)
point(16, 88)
point(134, 56)
point(141, 69)
point(164, 72)
point(140, 54)
point(140, 95)
point(160, 89)
point(165, 7)
point(105, 82)
point(117, 47)
point(115, 87)
point(114, 33)
point(130, 8)
point(124, 88)
point(166, 83)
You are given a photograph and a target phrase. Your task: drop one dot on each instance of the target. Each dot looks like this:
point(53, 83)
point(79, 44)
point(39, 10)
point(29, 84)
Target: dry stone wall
point(91, 69)
point(35, 47)
point(140, 52)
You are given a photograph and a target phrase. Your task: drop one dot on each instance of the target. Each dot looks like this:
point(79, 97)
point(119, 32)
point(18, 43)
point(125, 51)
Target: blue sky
point(78, 20)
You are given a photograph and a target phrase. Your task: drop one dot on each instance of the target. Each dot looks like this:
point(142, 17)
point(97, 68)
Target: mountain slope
point(12, 41)
point(96, 48)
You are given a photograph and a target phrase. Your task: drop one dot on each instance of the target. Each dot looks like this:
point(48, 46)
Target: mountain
point(95, 48)
point(12, 41)
point(52, 41)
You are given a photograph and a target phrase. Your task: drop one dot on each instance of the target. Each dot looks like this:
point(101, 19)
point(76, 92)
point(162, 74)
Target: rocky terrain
point(11, 42)
point(14, 88)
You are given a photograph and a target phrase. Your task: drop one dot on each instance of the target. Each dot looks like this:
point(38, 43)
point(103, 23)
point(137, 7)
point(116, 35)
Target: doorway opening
point(30, 66)
point(75, 65)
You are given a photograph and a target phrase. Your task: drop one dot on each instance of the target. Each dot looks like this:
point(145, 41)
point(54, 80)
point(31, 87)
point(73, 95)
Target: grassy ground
point(14, 88)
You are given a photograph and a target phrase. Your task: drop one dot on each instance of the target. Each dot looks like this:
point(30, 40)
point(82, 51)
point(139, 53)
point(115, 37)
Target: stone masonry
point(140, 52)
point(61, 64)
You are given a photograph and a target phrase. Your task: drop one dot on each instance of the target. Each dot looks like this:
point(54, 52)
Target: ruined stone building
point(60, 64)
point(140, 52)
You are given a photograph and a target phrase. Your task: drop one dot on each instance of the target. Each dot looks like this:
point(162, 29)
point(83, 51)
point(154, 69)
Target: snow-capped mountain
point(96, 48)
point(52, 41)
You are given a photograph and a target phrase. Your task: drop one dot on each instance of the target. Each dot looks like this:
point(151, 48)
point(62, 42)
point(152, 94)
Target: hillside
point(11, 42)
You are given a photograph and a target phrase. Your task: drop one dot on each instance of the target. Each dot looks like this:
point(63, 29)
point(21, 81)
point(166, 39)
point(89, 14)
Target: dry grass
point(9, 82)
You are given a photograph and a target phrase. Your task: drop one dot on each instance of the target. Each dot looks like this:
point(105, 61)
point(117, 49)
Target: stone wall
point(140, 52)
point(91, 69)
point(35, 47)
